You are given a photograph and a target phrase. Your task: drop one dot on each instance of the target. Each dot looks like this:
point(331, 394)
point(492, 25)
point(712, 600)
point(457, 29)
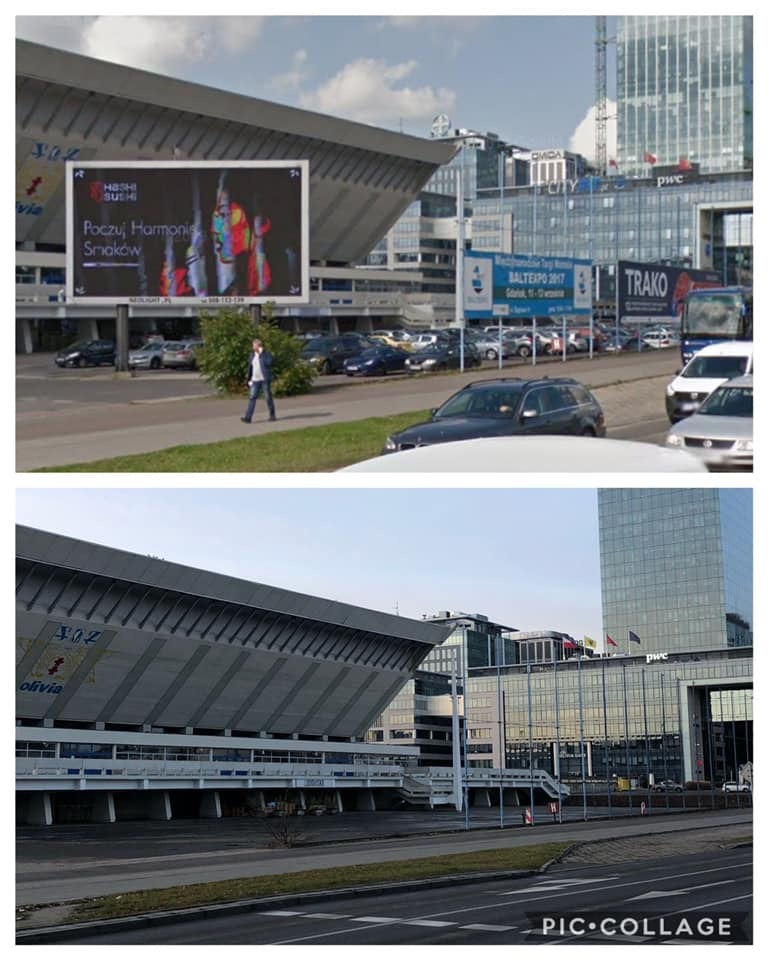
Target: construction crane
point(601, 97)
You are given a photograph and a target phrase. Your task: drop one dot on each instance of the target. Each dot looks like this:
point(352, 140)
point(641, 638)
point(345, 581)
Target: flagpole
point(664, 744)
point(530, 727)
point(605, 739)
point(581, 739)
point(626, 733)
point(647, 745)
point(557, 738)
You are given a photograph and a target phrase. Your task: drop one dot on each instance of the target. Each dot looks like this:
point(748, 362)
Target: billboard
point(513, 285)
point(210, 233)
point(649, 290)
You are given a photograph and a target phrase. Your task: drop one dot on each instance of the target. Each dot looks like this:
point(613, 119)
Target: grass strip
point(306, 450)
point(306, 881)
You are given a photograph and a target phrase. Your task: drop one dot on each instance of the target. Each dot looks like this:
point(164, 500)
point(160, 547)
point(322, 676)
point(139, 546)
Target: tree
point(228, 337)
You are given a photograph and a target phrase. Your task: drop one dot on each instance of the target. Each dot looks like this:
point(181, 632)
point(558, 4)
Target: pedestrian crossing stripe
point(488, 927)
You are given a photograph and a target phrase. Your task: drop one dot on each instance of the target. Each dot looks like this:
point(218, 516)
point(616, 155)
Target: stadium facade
point(70, 107)
point(150, 689)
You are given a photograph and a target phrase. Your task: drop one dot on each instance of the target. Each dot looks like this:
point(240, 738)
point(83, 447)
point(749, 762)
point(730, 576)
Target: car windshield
point(317, 345)
point(728, 402)
point(497, 402)
point(80, 345)
point(172, 346)
point(716, 367)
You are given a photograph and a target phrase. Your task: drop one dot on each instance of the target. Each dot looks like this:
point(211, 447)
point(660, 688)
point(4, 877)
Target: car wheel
point(524, 351)
point(490, 354)
point(154, 364)
point(325, 368)
point(588, 432)
point(80, 362)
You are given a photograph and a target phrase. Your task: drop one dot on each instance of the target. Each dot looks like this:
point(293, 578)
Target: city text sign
point(512, 285)
point(172, 232)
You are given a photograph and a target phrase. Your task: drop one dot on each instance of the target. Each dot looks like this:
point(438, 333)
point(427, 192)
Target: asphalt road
point(72, 416)
point(570, 903)
point(59, 865)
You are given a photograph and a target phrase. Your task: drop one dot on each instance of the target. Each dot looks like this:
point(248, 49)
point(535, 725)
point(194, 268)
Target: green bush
point(229, 335)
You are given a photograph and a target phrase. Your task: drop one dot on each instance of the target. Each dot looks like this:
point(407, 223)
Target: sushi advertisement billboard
point(514, 285)
point(209, 233)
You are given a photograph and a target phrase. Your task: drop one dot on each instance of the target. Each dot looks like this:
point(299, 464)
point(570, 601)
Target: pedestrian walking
point(259, 379)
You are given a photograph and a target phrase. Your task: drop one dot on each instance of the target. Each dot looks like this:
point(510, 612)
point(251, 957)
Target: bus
point(714, 314)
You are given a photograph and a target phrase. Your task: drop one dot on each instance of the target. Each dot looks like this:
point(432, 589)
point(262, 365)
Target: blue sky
point(525, 558)
point(529, 79)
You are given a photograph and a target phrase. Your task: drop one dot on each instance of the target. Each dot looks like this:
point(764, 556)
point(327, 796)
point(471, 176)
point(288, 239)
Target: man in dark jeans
point(259, 378)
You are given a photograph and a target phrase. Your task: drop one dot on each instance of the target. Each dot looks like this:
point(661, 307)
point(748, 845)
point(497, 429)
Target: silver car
point(720, 434)
point(149, 356)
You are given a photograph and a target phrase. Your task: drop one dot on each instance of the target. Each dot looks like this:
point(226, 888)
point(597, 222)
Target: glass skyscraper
point(676, 568)
point(684, 92)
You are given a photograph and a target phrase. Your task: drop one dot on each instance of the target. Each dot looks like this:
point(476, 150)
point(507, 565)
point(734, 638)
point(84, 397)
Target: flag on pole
point(590, 642)
point(569, 645)
point(611, 641)
point(633, 637)
point(684, 164)
point(649, 158)
point(612, 162)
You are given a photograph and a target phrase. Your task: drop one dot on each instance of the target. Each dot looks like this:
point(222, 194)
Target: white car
point(730, 786)
point(538, 454)
point(703, 373)
point(721, 434)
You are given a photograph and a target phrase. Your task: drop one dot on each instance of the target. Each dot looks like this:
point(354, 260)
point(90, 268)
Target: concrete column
point(210, 805)
point(87, 328)
point(302, 800)
point(339, 804)
point(103, 807)
point(333, 326)
point(366, 801)
point(160, 805)
point(24, 340)
point(364, 324)
point(39, 809)
point(254, 800)
point(482, 798)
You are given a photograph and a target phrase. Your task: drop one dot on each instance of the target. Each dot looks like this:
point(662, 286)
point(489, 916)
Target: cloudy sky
point(529, 79)
point(525, 558)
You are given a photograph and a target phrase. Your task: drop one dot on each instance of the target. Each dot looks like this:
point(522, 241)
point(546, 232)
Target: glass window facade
point(676, 567)
point(684, 89)
point(605, 219)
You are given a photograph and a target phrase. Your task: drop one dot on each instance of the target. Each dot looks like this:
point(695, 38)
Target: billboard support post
point(121, 338)
point(255, 314)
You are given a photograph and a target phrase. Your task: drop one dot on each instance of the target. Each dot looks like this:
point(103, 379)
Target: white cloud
point(366, 90)
point(583, 137)
point(157, 43)
point(295, 77)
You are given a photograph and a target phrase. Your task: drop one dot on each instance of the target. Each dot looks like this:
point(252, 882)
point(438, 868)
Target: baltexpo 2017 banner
point(188, 232)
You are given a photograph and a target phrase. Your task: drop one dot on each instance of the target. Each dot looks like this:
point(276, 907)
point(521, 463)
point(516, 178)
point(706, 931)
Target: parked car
point(505, 407)
point(376, 361)
point(668, 786)
point(86, 353)
point(327, 354)
point(731, 786)
point(703, 373)
point(658, 339)
point(393, 338)
point(181, 353)
point(149, 356)
point(721, 433)
point(442, 357)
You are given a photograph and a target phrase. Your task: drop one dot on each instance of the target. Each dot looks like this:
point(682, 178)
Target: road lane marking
point(652, 894)
point(375, 919)
point(492, 927)
point(280, 913)
point(428, 923)
point(328, 916)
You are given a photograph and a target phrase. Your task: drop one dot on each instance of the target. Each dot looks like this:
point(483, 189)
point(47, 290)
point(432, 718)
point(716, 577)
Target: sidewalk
point(631, 392)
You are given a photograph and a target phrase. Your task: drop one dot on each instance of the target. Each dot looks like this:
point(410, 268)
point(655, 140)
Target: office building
point(676, 568)
point(684, 93)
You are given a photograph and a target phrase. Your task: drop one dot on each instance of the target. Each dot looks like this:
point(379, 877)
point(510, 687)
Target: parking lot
point(70, 416)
